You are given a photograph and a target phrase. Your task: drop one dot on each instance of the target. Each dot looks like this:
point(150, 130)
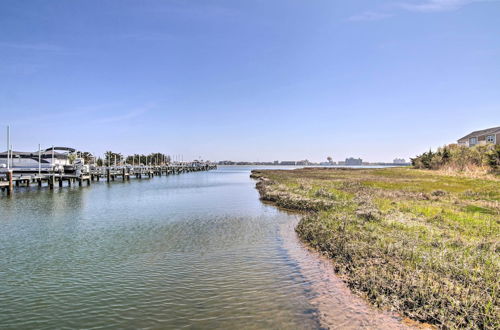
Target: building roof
point(482, 132)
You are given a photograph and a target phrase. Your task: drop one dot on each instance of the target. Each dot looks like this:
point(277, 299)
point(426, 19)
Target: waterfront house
point(485, 136)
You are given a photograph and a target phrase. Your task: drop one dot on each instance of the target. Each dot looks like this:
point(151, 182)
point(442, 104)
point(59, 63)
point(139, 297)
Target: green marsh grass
point(424, 244)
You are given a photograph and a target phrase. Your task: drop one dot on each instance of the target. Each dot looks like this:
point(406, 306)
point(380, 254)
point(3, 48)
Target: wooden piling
point(10, 188)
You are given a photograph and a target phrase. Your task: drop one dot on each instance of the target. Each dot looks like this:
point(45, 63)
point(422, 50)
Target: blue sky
point(249, 80)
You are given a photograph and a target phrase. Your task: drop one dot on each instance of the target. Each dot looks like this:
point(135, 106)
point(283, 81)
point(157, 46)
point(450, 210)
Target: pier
point(10, 179)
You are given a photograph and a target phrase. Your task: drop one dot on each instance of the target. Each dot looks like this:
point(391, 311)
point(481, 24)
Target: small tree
point(87, 157)
point(427, 159)
point(71, 158)
point(445, 154)
point(494, 158)
point(110, 158)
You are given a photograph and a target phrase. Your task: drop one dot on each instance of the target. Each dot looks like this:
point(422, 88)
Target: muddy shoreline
point(338, 307)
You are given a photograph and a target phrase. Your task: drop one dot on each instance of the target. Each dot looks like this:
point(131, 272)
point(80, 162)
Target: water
point(196, 250)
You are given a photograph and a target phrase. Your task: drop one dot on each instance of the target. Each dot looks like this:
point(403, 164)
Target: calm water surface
point(194, 250)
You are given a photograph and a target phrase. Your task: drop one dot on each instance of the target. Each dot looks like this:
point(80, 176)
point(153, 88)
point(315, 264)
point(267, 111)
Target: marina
point(59, 165)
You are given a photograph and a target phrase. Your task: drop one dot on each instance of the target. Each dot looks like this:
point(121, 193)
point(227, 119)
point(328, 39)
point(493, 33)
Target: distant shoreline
point(312, 164)
point(319, 166)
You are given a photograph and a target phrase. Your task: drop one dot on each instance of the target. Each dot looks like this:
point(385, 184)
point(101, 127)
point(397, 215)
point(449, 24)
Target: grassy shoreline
point(417, 242)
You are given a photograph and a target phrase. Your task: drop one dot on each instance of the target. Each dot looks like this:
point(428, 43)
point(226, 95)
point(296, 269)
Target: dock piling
point(10, 188)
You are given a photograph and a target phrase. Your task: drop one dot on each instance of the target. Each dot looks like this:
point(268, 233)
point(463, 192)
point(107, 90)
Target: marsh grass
point(421, 243)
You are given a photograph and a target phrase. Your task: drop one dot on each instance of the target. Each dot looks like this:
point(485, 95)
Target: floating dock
point(12, 178)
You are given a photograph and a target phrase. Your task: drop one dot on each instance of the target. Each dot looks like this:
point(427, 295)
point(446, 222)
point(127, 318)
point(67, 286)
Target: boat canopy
point(58, 152)
point(70, 150)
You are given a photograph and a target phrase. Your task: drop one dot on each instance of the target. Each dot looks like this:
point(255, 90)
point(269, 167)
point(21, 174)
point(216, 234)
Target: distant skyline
point(249, 80)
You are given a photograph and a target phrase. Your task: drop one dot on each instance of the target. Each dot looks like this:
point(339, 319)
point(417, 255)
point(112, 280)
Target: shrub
point(494, 158)
point(460, 158)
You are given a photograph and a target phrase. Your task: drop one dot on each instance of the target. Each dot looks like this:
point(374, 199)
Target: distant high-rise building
point(399, 161)
point(353, 161)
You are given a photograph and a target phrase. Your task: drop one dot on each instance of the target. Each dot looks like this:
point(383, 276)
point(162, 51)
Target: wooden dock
point(10, 179)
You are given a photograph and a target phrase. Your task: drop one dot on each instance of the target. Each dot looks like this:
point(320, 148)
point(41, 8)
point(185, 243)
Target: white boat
point(57, 158)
